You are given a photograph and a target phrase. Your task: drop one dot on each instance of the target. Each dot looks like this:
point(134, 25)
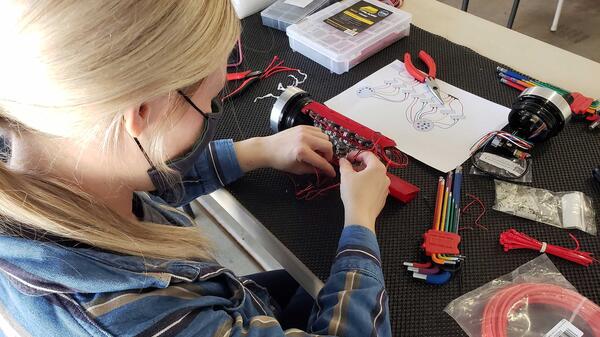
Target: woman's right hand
point(363, 192)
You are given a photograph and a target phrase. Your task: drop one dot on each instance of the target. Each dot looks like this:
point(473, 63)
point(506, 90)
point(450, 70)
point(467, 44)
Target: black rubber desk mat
point(310, 229)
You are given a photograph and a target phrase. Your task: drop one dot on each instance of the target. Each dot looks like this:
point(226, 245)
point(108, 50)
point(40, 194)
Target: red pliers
point(427, 78)
point(248, 77)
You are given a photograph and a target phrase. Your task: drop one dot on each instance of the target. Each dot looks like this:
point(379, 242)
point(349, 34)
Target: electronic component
point(295, 107)
point(538, 114)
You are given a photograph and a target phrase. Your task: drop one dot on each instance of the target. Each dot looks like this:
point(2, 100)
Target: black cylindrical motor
point(538, 114)
point(287, 110)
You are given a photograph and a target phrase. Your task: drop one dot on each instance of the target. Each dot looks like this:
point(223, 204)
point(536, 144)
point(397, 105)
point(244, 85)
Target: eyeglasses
point(216, 107)
point(217, 111)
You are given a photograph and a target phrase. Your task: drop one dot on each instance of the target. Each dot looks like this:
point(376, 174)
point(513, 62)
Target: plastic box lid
point(284, 13)
point(320, 41)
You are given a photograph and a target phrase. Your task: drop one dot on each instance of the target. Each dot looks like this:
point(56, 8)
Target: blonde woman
point(104, 101)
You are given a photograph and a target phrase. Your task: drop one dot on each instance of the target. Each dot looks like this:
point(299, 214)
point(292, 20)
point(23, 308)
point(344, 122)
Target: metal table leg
point(513, 13)
point(465, 5)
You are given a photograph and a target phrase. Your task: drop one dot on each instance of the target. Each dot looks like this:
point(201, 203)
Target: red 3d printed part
point(295, 107)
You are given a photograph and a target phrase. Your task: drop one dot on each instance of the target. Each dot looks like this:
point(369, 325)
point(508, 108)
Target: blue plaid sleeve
point(217, 166)
point(353, 301)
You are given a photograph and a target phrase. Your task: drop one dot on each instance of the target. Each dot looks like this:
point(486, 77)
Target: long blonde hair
point(69, 69)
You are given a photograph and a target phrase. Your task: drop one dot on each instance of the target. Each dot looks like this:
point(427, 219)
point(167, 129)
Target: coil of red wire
point(511, 298)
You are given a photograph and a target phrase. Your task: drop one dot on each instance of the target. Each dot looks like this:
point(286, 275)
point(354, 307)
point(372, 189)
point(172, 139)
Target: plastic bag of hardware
point(511, 169)
point(571, 210)
point(535, 300)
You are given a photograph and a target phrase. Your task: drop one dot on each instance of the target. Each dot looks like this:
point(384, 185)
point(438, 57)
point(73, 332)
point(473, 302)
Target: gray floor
point(578, 28)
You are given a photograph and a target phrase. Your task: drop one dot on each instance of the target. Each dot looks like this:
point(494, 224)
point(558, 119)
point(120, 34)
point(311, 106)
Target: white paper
point(392, 102)
point(298, 3)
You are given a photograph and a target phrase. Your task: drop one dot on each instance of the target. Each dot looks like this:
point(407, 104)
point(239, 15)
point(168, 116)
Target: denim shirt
point(48, 288)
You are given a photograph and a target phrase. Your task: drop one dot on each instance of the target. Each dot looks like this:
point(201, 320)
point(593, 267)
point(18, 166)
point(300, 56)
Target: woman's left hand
point(298, 150)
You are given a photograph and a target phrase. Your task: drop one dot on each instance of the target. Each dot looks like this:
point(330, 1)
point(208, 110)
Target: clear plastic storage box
point(284, 13)
point(339, 50)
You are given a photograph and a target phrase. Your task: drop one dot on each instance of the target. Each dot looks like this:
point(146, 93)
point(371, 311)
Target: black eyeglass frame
point(216, 114)
point(216, 107)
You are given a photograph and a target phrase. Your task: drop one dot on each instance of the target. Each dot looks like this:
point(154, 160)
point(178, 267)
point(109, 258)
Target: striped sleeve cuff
point(224, 160)
point(358, 250)
point(356, 235)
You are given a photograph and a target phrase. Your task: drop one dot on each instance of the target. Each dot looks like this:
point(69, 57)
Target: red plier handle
point(248, 77)
point(243, 75)
point(416, 73)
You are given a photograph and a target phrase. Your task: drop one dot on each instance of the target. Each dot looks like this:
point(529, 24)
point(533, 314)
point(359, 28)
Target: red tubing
point(511, 298)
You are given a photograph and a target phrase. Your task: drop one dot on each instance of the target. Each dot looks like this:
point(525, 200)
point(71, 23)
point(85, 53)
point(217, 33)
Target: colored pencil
point(438, 203)
point(457, 196)
point(444, 207)
point(513, 74)
point(448, 195)
point(519, 82)
point(449, 215)
point(512, 84)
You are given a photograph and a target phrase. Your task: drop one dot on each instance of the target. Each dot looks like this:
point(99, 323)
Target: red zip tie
point(512, 239)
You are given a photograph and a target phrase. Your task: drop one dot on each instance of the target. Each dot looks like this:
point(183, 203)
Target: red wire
point(483, 210)
point(275, 58)
point(512, 239)
point(319, 192)
point(510, 299)
point(276, 66)
point(312, 191)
